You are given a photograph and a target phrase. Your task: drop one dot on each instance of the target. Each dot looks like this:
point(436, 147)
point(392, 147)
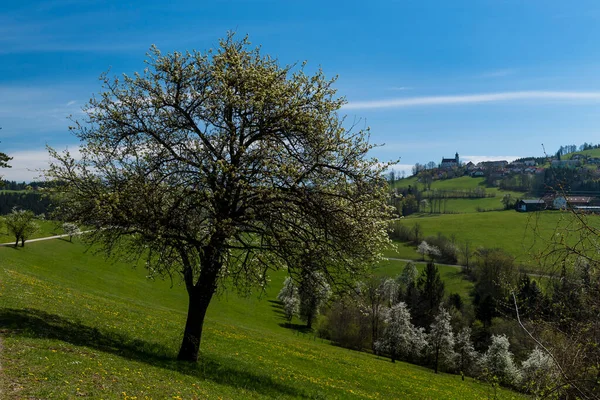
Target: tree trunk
point(200, 294)
point(22, 242)
point(437, 358)
point(192, 335)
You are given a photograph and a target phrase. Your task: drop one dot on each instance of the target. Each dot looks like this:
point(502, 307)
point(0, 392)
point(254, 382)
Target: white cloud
point(472, 99)
point(28, 165)
point(70, 103)
point(399, 168)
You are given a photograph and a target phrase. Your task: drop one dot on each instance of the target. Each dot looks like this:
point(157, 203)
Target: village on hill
point(566, 180)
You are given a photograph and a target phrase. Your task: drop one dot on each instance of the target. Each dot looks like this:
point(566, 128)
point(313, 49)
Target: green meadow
point(46, 228)
point(453, 277)
point(74, 325)
point(524, 235)
point(464, 183)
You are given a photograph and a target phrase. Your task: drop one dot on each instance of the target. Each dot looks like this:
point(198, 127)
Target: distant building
point(449, 163)
point(493, 164)
point(563, 202)
point(531, 205)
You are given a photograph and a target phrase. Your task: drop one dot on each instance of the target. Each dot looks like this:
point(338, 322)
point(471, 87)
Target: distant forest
point(24, 196)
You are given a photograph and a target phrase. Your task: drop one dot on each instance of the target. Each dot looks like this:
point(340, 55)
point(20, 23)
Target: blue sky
point(487, 78)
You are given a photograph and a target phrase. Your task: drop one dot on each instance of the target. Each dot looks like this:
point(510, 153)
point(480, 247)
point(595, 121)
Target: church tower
point(457, 159)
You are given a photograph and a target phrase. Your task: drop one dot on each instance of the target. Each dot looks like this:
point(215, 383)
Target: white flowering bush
point(498, 363)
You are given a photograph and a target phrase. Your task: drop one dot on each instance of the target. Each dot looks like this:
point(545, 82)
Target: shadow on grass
point(278, 309)
point(32, 323)
point(300, 328)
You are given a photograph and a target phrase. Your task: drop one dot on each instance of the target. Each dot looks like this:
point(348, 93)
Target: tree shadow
point(300, 328)
point(277, 307)
point(38, 324)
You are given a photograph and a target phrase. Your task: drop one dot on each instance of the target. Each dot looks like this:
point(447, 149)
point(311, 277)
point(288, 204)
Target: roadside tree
point(21, 224)
point(71, 229)
point(221, 166)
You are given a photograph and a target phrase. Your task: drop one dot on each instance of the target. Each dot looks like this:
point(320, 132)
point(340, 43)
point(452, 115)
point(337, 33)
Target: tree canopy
point(219, 166)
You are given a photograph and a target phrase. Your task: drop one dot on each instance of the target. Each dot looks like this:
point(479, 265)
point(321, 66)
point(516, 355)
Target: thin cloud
point(472, 99)
point(29, 165)
point(499, 73)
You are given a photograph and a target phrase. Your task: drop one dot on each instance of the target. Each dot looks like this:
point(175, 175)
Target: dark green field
point(73, 325)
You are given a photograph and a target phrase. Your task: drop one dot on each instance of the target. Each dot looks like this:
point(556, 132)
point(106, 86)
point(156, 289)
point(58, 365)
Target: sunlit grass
point(74, 325)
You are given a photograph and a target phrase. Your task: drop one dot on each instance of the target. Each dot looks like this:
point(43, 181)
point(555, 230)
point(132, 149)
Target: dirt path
point(40, 239)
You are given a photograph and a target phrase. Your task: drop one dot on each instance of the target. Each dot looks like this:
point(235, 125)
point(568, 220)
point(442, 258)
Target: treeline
point(14, 185)
point(412, 318)
point(38, 203)
point(571, 148)
point(409, 200)
point(562, 314)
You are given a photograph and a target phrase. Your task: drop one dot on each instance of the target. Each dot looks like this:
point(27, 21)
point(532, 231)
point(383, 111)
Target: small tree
point(423, 248)
point(408, 276)
point(21, 224)
point(507, 201)
point(431, 291)
point(375, 296)
point(313, 291)
point(539, 373)
point(498, 361)
point(71, 230)
point(400, 338)
point(290, 299)
point(467, 251)
point(441, 340)
point(465, 351)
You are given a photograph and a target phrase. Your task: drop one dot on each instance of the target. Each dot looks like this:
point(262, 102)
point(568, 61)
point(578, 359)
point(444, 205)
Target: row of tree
point(407, 318)
point(32, 201)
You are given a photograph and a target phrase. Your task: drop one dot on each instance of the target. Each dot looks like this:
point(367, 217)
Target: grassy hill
point(589, 153)
point(524, 235)
point(73, 325)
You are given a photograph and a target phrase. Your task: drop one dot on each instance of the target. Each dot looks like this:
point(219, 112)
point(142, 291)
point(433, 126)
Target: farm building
point(531, 205)
point(562, 202)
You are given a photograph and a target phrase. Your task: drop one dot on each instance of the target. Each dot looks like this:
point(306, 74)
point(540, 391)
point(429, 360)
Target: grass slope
point(452, 277)
point(524, 235)
point(73, 325)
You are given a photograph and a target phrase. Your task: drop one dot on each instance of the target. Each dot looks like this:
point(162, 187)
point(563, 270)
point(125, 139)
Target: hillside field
point(465, 183)
point(74, 325)
point(524, 235)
